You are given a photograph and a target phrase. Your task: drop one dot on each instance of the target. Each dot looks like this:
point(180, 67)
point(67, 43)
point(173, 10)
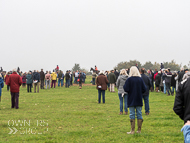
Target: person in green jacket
point(29, 81)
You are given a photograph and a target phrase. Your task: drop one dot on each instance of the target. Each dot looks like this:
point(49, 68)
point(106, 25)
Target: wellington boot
point(139, 123)
point(132, 126)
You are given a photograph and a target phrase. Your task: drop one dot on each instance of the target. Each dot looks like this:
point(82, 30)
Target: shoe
point(147, 113)
point(132, 126)
point(121, 113)
point(168, 95)
point(126, 113)
point(139, 123)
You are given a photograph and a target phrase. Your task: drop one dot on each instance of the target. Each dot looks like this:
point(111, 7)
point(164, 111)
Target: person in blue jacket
point(135, 87)
point(1, 85)
point(186, 132)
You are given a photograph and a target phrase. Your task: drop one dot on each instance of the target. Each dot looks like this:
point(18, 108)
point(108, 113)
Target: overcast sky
point(37, 34)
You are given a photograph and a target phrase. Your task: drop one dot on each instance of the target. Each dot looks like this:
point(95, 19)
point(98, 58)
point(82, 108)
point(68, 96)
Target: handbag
point(78, 80)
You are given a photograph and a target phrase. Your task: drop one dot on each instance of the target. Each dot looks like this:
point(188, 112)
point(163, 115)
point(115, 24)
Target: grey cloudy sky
point(37, 34)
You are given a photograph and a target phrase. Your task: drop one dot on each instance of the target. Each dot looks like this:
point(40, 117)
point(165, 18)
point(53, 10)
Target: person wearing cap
point(135, 87)
point(186, 75)
point(14, 82)
point(101, 86)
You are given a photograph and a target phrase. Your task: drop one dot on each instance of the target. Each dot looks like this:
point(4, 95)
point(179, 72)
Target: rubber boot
point(132, 126)
point(139, 123)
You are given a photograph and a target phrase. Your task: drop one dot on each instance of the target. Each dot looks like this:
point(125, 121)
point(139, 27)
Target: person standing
point(53, 79)
point(48, 79)
point(24, 80)
point(14, 82)
point(135, 87)
point(60, 78)
point(42, 76)
point(7, 79)
point(29, 81)
point(180, 75)
point(36, 80)
point(121, 93)
point(1, 86)
point(157, 81)
point(146, 94)
point(80, 80)
point(168, 75)
point(93, 78)
point(67, 78)
point(112, 80)
point(101, 82)
point(76, 76)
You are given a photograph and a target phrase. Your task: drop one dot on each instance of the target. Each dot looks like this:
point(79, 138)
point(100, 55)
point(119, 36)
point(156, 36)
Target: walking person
point(15, 82)
point(101, 82)
point(121, 93)
point(112, 81)
point(42, 77)
point(135, 87)
point(29, 81)
point(53, 79)
point(36, 81)
point(48, 79)
point(146, 94)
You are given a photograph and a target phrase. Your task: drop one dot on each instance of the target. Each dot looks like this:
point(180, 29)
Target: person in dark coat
point(161, 66)
point(101, 82)
point(135, 87)
point(116, 74)
point(180, 75)
point(67, 78)
point(173, 82)
point(80, 80)
point(112, 81)
point(42, 77)
point(157, 81)
point(14, 82)
point(24, 80)
point(168, 75)
point(146, 94)
point(36, 79)
point(29, 81)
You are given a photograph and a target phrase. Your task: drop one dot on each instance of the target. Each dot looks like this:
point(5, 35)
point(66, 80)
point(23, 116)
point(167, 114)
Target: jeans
point(99, 95)
point(60, 80)
point(164, 88)
point(173, 89)
point(47, 83)
point(146, 102)
point(168, 85)
point(67, 83)
point(121, 102)
point(29, 86)
point(138, 112)
point(76, 78)
point(93, 81)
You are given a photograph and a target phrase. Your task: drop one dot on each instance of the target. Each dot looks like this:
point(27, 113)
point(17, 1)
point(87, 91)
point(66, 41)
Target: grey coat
point(120, 83)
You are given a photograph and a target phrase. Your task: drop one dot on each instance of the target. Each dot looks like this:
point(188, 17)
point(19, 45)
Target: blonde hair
point(134, 72)
point(123, 72)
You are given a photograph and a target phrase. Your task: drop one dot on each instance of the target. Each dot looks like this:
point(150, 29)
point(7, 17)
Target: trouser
point(138, 112)
point(93, 81)
point(99, 95)
point(47, 83)
point(71, 82)
point(146, 102)
point(36, 85)
point(53, 82)
point(168, 85)
point(29, 86)
point(67, 83)
point(164, 88)
point(121, 102)
point(60, 80)
point(8, 87)
point(15, 99)
point(112, 87)
point(42, 84)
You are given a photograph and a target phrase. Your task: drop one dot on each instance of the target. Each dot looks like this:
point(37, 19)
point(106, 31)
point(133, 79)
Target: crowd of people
point(133, 87)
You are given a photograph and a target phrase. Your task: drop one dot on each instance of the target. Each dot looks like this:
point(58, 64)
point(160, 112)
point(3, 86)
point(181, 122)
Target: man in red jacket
point(14, 82)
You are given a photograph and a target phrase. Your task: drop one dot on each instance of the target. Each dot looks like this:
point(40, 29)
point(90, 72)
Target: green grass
point(73, 115)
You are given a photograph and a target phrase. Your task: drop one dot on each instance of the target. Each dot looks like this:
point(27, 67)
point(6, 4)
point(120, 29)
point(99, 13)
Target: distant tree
point(76, 67)
point(185, 67)
point(147, 65)
point(156, 66)
point(172, 65)
point(125, 65)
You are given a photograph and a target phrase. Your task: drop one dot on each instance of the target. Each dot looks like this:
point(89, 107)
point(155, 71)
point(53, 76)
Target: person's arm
point(179, 103)
point(126, 86)
point(186, 132)
point(117, 83)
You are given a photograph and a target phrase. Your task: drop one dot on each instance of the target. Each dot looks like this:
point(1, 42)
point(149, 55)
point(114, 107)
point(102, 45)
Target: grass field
point(73, 115)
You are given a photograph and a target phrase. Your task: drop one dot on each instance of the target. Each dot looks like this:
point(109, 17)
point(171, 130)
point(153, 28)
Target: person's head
point(29, 72)
point(53, 70)
point(34, 70)
point(41, 69)
point(134, 72)
point(112, 71)
point(14, 70)
point(159, 72)
point(123, 72)
point(142, 70)
point(168, 69)
point(186, 70)
point(182, 69)
point(155, 70)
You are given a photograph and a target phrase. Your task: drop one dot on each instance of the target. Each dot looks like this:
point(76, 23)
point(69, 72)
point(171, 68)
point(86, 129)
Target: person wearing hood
point(29, 81)
point(146, 94)
point(101, 82)
point(1, 85)
point(14, 82)
point(53, 78)
point(186, 75)
point(36, 79)
point(121, 93)
point(135, 87)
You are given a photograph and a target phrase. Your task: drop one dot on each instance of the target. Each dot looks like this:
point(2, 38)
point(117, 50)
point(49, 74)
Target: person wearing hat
point(186, 75)
point(14, 82)
point(101, 86)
